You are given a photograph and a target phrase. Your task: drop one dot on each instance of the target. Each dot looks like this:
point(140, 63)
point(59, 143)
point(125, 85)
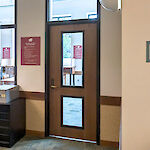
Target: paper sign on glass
point(77, 51)
point(6, 53)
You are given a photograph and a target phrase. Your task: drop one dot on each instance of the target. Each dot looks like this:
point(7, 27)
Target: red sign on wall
point(30, 51)
point(77, 52)
point(6, 53)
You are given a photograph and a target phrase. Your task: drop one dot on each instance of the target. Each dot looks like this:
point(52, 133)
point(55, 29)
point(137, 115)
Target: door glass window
point(7, 12)
point(72, 59)
point(7, 55)
point(72, 9)
point(72, 112)
point(7, 42)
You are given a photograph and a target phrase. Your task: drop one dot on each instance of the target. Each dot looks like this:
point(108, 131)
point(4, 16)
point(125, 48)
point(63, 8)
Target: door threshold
point(72, 139)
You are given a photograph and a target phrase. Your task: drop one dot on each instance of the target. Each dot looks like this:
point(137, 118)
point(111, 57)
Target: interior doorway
point(73, 78)
point(73, 50)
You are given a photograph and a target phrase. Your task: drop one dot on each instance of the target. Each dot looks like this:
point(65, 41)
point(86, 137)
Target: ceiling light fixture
point(111, 9)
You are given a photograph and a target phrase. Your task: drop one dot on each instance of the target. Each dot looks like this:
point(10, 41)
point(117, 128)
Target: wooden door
point(73, 50)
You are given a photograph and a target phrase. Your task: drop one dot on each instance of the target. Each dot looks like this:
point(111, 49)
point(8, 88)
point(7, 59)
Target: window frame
point(58, 17)
point(13, 26)
point(90, 14)
point(70, 21)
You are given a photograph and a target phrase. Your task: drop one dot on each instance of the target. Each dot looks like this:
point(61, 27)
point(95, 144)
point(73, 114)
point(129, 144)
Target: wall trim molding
point(110, 100)
point(110, 144)
point(32, 95)
point(104, 100)
point(35, 133)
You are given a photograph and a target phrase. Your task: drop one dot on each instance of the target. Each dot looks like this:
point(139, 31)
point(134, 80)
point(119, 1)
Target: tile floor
point(34, 143)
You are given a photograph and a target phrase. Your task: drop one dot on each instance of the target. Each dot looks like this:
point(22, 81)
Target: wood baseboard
point(35, 133)
point(110, 144)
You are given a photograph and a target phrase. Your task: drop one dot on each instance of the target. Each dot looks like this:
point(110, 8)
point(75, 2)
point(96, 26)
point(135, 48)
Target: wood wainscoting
point(32, 95)
point(109, 100)
point(104, 100)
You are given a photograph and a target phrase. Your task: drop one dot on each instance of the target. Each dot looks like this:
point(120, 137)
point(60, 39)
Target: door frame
point(47, 64)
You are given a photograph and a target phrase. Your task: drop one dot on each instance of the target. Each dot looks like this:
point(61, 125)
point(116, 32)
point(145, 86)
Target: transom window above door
point(7, 12)
point(61, 10)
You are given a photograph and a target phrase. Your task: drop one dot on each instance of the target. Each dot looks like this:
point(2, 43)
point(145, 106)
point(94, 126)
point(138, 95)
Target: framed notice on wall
point(30, 50)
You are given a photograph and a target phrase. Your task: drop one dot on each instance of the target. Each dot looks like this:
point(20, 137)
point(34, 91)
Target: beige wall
point(110, 72)
point(110, 53)
point(35, 111)
point(110, 123)
point(31, 22)
point(135, 75)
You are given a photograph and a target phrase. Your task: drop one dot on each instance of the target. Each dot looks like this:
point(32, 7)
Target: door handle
point(53, 86)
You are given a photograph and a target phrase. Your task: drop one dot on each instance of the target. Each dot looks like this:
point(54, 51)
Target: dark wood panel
point(17, 120)
point(12, 122)
point(32, 95)
point(108, 100)
point(4, 137)
point(4, 122)
point(4, 108)
point(4, 129)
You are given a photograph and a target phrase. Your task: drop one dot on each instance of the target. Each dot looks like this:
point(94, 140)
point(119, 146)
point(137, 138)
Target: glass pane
point(72, 112)
point(7, 56)
point(72, 9)
point(7, 12)
point(72, 67)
